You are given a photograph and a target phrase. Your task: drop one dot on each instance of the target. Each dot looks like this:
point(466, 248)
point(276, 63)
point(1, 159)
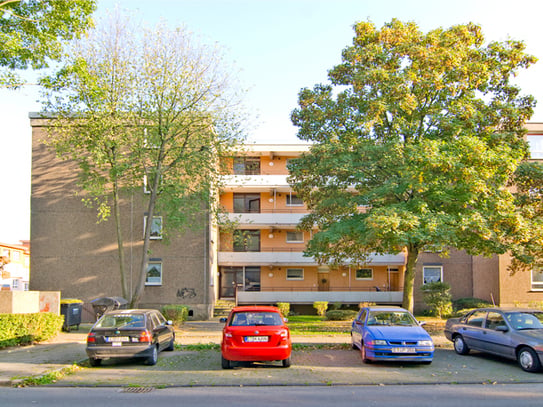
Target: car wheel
point(153, 358)
point(286, 362)
point(95, 362)
point(528, 360)
point(363, 351)
point(460, 346)
point(226, 364)
point(171, 345)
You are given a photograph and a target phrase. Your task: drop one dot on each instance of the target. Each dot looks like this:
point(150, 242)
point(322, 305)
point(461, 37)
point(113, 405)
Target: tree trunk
point(409, 277)
point(120, 245)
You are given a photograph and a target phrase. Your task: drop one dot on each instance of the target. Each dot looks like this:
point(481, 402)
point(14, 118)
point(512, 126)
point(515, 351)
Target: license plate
point(403, 350)
point(117, 339)
point(256, 339)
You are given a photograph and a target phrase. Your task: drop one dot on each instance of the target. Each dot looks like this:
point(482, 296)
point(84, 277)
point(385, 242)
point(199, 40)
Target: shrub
point(24, 329)
point(469, 303)
point(437, 296)
point(366, 304)
point(284, 307)
point(321, 307)
point(176, 313)
point(341, 315)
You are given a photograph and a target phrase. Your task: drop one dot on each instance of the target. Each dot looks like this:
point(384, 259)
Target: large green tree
point(415, 143)
point(32, 33)
point(136, 103)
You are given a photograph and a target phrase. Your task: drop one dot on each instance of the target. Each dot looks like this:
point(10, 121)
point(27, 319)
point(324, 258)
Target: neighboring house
point(74, 254)
point(260, 262)
point(15, 269)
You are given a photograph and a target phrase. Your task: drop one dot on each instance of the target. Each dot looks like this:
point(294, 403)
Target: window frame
point(535, 146)
point(289, 200)
point(153, 262)
point(161, 227)
point(432, 266)
point(363, 278)
point(536, 285)
point(246, 165)
point(300, 278)
point(297, 240)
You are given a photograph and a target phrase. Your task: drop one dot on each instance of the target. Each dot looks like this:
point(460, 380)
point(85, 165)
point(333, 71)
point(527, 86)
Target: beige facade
point(74, 254)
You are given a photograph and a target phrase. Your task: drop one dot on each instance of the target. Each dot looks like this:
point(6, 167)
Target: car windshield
point(391, 318)
point(256, 318)
point(122, 321)
point(525, 320)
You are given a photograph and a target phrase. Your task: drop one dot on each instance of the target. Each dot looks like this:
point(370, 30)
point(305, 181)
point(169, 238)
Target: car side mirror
point(285, 319)
point(421, 323)
point(502, 328)
point(223, 320)
point(169, 322)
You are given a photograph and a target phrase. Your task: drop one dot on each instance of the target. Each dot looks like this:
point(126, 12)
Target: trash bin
point(71, 309)
point(103, 304)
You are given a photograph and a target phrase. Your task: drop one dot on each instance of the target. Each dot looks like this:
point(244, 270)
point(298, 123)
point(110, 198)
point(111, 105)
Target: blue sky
point(279, 47)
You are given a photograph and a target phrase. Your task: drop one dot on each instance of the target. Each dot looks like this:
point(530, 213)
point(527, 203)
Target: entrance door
point(324, 281)
point(230, 278)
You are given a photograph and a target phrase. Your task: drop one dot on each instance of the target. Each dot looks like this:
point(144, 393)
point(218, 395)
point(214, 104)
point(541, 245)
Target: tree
point(415, 142)
point(32, 32)
point(137, 104)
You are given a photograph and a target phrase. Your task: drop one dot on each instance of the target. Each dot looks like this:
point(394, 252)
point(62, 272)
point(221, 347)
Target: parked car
point(132, 333)
point(255, 334)
point(512, 333)
point(390, 334)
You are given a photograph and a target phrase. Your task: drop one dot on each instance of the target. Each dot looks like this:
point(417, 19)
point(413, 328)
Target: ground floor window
point(238, 278)
point(432, 274)
point(537, 277)
point(154, 272)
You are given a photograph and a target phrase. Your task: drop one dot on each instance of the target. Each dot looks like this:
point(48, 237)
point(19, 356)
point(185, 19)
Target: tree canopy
point(136, 103)
point(32, 32)
point(415, 143)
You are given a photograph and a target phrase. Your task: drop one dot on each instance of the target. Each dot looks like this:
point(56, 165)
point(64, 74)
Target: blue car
point(390, 334)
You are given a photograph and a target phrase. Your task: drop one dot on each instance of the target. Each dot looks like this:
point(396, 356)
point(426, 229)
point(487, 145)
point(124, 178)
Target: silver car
point(513, 333)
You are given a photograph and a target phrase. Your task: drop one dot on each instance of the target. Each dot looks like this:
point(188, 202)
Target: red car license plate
point(256, 339)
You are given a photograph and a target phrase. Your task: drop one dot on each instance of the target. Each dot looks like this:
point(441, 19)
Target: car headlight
point(378, 342)
point(425, 343)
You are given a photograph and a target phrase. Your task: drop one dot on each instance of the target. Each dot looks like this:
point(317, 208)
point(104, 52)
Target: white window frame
point(289, 200)
point(155, 219)
point(536, 285)
point(298, 232)
point(299, 278)
point(433, 266)
point(363, 278)
point(535, 143)
point(157, 281)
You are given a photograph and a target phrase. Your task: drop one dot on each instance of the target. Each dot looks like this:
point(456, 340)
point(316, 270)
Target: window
point(495, 320)
point(295, 274)
point(294, 200)
point(476, 319)
point(246, 203)
point(535, 144)
point(537, 277)
point(154, 272)
point(15, 284)
point(247, 166)
point(156, 227)
point(247, 240)
point(295, 236)
point(364, 274)
point(431, 274)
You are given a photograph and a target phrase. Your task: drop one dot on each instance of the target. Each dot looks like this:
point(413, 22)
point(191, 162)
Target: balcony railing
point(309, 297)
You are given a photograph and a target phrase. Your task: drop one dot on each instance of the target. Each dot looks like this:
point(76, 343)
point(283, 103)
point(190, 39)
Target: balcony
point(309, 297)
point(294, 258)
point(274, 219)
point(255, 183)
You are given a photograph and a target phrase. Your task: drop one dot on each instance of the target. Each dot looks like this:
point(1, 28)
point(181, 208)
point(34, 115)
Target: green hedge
point(24, 329)
point(175, 313)
point(341, 315)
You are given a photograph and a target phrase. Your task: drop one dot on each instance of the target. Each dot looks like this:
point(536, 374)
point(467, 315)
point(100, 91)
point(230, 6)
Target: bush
point(24, 329)
point(469, 303)
point(284, 307)
point(321, 307)
point(176, 313)
point(341, 315)
point(437, 296)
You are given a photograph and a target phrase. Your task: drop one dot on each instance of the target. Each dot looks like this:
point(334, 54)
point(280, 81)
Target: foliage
point(284, 307)
point(414, 145)
point(176, 313)
point(47, 378)
point(32, 32)
point(134, 105)
point(438, 297)
point(341, 315)
point(70, 301)
point(469, 302)
point(24, 329)
point(321, 307)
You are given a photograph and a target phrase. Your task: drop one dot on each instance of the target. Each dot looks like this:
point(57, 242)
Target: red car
point(255, 334)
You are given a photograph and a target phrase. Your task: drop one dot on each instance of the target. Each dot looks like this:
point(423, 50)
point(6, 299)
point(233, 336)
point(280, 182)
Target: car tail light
point(228, 335)
point(284, 334)
point(91, 337)
point(146, 336)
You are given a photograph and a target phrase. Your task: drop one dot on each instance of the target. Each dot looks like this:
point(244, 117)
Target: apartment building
point(262, 260)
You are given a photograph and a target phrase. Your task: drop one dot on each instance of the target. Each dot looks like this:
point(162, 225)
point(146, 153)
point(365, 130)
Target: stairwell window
point(154, 272)
point(432, 274)
point(156, 227)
